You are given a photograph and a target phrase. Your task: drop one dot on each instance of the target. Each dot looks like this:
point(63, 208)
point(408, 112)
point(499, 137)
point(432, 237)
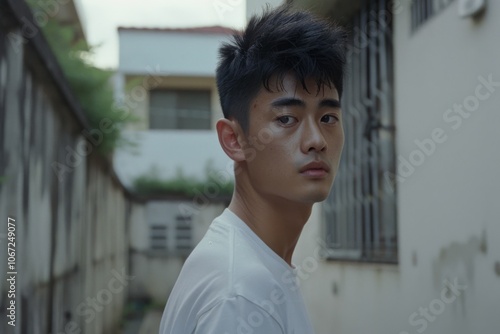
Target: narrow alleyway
point(149, 324)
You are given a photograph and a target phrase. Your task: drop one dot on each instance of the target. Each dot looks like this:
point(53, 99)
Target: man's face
point(295, 140)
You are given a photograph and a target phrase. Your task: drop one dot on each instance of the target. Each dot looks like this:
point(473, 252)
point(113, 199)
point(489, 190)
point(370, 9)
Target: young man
point(280, 84)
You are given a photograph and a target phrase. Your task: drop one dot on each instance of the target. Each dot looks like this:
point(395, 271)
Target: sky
point(101, 18)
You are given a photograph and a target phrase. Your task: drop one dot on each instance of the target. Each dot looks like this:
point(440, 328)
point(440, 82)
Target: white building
point(409, 240)
point(166, 79)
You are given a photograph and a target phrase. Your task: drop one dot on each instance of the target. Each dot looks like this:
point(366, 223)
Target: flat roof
point(195, 30)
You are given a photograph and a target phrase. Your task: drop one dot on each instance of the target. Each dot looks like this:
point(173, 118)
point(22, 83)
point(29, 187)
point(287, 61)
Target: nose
point(313, 138)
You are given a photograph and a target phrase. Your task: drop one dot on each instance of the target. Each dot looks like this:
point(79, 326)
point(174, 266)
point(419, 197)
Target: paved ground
point(132, 326)
point(151, 322)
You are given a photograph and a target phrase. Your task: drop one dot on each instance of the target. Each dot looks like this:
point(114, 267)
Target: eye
point(330, 119)
point(286, 120)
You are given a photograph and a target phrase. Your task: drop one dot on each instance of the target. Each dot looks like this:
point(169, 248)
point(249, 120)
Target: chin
point(317, 193)
point(321, 198)
point(315, 197)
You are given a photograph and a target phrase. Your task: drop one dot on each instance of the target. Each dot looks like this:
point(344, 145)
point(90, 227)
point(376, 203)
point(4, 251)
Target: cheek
point(272, 160)
point(280, 151)
point(337, 141)
point(340, 142)
point(250, 154)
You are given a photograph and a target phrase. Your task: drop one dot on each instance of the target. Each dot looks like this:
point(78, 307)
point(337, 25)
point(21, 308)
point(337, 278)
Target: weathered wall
point(155, 272)
point(448, 212)
point(71, 221)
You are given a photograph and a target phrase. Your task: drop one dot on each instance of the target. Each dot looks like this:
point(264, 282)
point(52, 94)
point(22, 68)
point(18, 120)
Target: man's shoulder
point(229, 253)
point(225, 257)
point(228, 267)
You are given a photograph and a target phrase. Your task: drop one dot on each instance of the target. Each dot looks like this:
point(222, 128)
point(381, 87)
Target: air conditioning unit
point(467, 8)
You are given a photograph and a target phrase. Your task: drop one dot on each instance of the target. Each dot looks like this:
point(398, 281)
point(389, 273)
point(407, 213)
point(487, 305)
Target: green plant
point(152, 184)
point(90, 84)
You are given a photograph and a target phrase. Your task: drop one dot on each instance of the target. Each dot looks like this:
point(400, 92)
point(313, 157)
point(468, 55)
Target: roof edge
point(212, 30)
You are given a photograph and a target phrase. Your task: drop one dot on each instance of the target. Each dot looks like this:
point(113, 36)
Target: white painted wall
point(81, 14)
point(189, 150)
point(169, 53)
point(161, 60)
point(155, 273)
point(448, 212)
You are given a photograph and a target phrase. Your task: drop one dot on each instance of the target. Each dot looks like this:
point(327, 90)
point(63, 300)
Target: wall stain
point(455, 263)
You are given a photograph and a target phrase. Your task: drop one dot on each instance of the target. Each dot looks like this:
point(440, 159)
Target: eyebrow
point(291, 101)
point(287, 102)
point(332, 103)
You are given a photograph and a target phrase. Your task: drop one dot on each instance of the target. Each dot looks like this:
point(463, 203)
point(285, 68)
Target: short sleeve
point(237, 315)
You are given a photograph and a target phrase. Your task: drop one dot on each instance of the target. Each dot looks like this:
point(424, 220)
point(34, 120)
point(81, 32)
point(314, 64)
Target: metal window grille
point(158, 237)
point(183, 234)
point(360, 213)
point(174, 237)
point(423, 10)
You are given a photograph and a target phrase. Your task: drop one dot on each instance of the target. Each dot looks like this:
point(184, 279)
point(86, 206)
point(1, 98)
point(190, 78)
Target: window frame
point(180, 115)
point(360, 215)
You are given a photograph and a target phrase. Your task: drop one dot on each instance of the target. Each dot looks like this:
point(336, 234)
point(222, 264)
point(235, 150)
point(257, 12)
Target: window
point(174, 237)
point(183, 234)
point(158, 237)
point(423, 10)
point(360, 212)
point(179, 109)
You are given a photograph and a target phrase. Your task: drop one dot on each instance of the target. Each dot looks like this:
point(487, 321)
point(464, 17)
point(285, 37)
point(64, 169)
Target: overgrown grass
point(152, 184)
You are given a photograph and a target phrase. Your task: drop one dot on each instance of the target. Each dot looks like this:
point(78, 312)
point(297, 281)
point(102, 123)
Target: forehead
point(288, 85)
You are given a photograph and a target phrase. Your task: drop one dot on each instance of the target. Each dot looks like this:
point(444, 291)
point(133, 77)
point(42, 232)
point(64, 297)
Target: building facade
point(408, 240)
point(166, 79)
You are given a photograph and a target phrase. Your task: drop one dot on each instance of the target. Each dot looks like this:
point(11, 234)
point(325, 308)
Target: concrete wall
point(447, 203)
point(156, 271)
point(171, 53)
point(71, 213)
point(155, 149)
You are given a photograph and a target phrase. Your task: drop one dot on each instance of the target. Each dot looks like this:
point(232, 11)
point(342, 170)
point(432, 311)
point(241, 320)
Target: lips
point(315, 169)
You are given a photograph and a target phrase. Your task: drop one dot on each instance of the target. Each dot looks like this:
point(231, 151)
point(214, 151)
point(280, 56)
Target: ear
point(231, 138)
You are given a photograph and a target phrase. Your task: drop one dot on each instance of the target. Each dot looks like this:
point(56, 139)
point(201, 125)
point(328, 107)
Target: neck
point(276, 221)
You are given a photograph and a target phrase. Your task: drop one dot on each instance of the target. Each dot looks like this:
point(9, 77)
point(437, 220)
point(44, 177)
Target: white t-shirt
point(233, 283)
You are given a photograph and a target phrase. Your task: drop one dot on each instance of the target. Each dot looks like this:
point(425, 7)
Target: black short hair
point(280, 41)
